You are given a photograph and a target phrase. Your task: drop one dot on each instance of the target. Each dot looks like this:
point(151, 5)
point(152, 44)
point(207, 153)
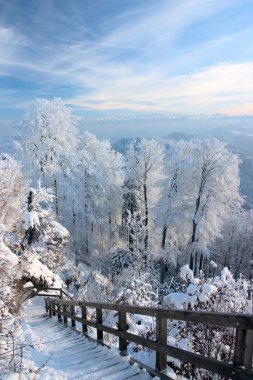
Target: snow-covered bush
point(8, 265)
point(135, 290)
point(223, 294)
point(120, 259)
point(234, 248)
point(10, 345)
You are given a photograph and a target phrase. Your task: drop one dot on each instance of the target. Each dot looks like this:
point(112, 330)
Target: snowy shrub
point(135, 290)
point(223, 294)
point(8, 265)
point(11, 343)
point(53, 237)
point(234, 248)
point(120, 259)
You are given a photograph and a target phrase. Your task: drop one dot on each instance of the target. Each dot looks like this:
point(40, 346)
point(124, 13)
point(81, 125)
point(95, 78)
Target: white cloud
point(224, 88)
point(8, 36)
point(135, 65)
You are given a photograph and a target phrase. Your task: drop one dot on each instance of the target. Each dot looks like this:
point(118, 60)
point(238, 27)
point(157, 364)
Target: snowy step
point(66, 355)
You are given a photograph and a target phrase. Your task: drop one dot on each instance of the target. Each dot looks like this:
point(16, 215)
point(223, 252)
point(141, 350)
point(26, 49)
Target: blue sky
point(127, 57)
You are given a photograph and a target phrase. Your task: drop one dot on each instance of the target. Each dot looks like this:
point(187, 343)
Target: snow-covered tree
point(233, 248)
point(12, 189)
point(215, 192)
point(200, 188)
point(48, 141)
point(144, 170)
point(174, 207)
point(43, 236)
point(97, 195)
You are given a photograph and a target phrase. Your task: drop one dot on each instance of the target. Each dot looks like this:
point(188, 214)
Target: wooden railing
point(61, 292)
point(243, 325)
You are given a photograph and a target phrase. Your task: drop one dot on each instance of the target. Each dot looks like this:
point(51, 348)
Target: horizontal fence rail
point(243, 325)
point(62, 293)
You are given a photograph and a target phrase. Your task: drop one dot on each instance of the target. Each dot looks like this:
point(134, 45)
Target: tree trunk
point(86, 230)
point(86, 218)
point(195, 271)
point(164, 234)
point(201, 261)
point(162, 270)
point(131, 240)
point(146, 216)
point(74, 234)
point(194, 229)
point(56, 199)
point(110, 227)
point(191, 261)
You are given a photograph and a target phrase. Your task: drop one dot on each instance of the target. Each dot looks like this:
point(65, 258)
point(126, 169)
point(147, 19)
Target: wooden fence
point(61, 293)
point(241, 368)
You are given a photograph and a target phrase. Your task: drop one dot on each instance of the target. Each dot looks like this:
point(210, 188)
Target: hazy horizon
point(127, 58)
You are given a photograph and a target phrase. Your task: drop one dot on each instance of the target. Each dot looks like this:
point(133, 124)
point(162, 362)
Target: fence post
point(50, 308)
point(61, 294)
point(72, 312)
point(54, 309)
point(65, 319)
point(240, 346)
point(84, 316)
point(59, 312)
point(122, 326)
point(161, 337)
point(46, 307)
point(99, 319)
point(249, 350)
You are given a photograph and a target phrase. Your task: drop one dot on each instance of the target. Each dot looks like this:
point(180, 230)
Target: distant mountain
point(178, 136)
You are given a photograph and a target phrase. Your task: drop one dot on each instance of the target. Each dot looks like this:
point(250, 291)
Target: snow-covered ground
point(57, 353)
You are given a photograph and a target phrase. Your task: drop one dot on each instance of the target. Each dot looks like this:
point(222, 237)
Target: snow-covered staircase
point(63, 354)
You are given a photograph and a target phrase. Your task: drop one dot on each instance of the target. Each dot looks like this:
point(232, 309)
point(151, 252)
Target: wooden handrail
point(241, 321)
point(60, 290)
point(243, 324)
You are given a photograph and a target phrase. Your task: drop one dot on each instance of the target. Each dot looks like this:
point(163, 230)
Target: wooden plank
point(65, 319)
point(50, 309)
point(59, 312)
point(248, 358)
point(54, 308)
point(122, 326)
point(46, 303)
point(161, 337)
point(46, 295)
point(68, 302)
point(84, 316)
point(42, 288)
point(99, 320)
point(66, 294)
point(199, 361)
point(73, 319)
point(240, 346)
point(243, 321)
